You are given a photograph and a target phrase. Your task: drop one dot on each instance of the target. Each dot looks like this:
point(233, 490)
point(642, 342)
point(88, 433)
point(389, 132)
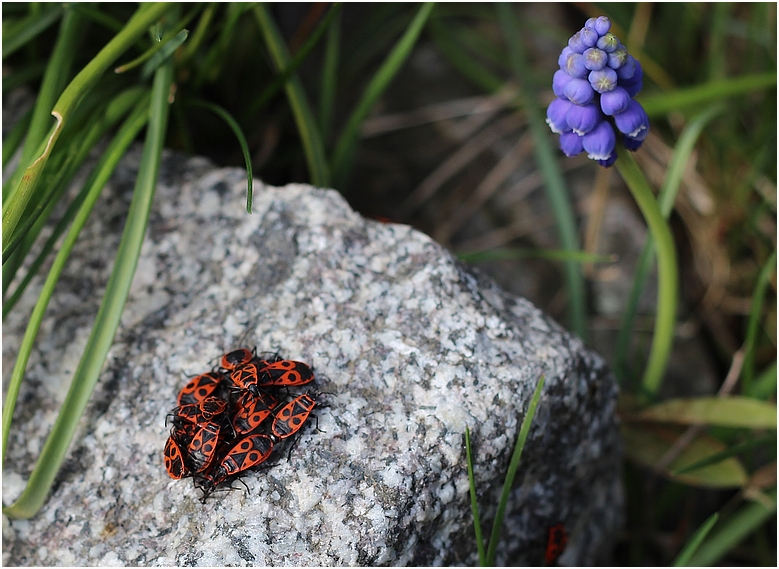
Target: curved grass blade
point(98, 16)
point(110, 312)
point(734, 411)
point(461, 60)
point(474, 504)
point(732, 531)
point(661, 104)
point(667, 271)
point(55, 78)
point(75, 148)
point(163, 49)
point(15, 137)
point(313, 146)
point(146, 15)
point(28, 28)
point(768, 440)
point(118, 108)
point(235, 127)
point(556, 191)
point(329, 78)
point(512, 472)
point(764, 385)
point(550, 254)
point(297, 59)
point(667, 196)
point(93, 188)
point(347, 142)
point(683, 559)
point(755, 313)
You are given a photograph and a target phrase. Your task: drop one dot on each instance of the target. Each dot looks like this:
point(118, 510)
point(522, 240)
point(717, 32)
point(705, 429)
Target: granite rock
point(409, 347)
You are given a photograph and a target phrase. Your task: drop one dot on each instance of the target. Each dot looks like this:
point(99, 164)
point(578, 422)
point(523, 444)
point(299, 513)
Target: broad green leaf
point(647, 445)
point(734, 411)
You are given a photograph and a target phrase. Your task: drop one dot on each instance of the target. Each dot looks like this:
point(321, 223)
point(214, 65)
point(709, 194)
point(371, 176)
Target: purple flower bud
point(602, 25)
point(582, 119)
point(558, 82)
point(590, 23)
point(574, 66)
point(608, 162)
point(571, 144)
point(634, 144)
point(555, 115)
point(632, 121)
point(618, 57)
point(608, 43)
point(579, 91)
point(633, 89)
point(563, 57)
point(636, 77)
point(603, 80)
point(627, 69)
point(595, 59)
point(582, 39)
point(600, 142)
point(614, 101)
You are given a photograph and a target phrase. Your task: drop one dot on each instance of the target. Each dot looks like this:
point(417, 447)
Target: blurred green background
point(428, 115)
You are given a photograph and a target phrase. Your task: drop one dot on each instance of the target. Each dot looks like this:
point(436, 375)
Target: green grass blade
point(300, 56)
point(98, 16)
point(145, 16)
point(30, 27)
point(110, 312)
point(75, 150)
point(667, 270)
point(474, 503)
point(512, 472)
point(683, 559)
point(54, 80)
point(550, 171)
point(732, 531)
point(164, 49)
point(550, 254)
point(768, 440)
point(764, 385)
point(235, 127)
point(673, 179)
point(27, 74)
point(347, 142)
point(329, 78)
point(15, 137)
point(461, 60)
point(93, 188)
point(661, 104)
point(313, 146)
point(82, 146)
point(755, 313)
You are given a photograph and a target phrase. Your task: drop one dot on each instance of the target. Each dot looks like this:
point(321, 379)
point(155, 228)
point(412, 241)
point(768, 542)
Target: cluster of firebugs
point(229, 420)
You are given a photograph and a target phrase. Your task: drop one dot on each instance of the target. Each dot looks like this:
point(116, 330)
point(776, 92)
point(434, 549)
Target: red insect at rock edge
point(174, 460)
point(555, 545)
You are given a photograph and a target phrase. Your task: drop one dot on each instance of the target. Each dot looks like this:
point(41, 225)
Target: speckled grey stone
point(409, 345)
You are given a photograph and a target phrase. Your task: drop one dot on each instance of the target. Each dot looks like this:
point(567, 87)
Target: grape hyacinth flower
point(595, 88)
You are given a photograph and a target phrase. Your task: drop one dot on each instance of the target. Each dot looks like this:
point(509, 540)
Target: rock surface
point(409, 345)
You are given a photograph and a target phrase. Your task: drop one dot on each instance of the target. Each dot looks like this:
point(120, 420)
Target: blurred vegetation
point(429, 115)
